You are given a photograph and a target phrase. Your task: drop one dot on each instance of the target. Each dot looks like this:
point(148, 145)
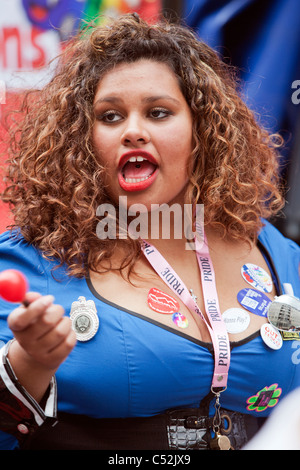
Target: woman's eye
point(110, 117)
point(159, 113)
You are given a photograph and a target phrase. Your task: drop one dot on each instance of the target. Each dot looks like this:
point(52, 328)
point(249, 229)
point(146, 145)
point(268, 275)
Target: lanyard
point(216, 325)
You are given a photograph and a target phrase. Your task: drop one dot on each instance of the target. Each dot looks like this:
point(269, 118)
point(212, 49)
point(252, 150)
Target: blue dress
point(136, 367)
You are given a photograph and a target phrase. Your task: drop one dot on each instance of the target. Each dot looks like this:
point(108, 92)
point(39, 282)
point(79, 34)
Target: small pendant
point(194, 297)
point(220, 442)
point(85, 321)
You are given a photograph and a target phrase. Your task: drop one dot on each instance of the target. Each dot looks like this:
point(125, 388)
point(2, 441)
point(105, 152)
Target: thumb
point(30, 297)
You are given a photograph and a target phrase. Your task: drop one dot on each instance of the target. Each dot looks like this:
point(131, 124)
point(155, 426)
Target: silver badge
point(85, 321)
point(284, 313)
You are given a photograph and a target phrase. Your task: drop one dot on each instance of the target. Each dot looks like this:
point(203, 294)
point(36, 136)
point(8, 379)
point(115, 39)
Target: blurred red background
point(13, 101)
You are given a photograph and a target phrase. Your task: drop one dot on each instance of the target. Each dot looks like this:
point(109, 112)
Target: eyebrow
point(149, 99)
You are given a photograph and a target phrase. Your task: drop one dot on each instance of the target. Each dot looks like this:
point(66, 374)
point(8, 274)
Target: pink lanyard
point(217, 327)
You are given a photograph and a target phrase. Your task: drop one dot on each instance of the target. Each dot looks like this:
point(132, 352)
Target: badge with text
point(257, 277)
point(180, 320)
point(85, 321)
point(236, 320)
point(271, 336)
point(254, 301)
point(161, 302)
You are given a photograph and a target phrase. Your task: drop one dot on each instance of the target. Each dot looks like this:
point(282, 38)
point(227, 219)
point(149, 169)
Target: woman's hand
point(42, 331)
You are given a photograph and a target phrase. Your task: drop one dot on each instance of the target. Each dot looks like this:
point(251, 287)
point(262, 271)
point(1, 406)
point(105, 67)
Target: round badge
point(257, 277)
point(254, 301)
point(85, 321)
point(161, 302)
point(180, 320)
point(236, 320)
point(284, 313)
point(271, 336)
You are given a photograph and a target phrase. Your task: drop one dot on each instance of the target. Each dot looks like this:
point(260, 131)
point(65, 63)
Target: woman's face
point(143, 133)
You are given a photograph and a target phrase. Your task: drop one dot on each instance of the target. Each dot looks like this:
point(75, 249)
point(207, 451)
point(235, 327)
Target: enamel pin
point(180, 320)
point(85, 321)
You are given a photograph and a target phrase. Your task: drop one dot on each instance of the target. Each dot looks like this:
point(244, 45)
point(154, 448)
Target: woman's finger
point(21, 318)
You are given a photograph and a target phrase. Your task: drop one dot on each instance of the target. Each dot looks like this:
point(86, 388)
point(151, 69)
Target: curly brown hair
point(54, 180)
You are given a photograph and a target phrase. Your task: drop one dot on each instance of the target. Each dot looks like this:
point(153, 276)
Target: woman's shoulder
point(285, 255)
point(13, 247)
point(41, 271)
point(17, 253)
point(275, 241)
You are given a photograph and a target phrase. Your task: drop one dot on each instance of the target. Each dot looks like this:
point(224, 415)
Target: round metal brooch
point(85, 321)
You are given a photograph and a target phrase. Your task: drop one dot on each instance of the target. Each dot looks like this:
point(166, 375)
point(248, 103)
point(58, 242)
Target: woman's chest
point(134, 367)
point(155, 295)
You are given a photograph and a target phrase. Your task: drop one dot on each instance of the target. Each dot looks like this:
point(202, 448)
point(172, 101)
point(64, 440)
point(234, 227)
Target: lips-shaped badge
point(161, 302)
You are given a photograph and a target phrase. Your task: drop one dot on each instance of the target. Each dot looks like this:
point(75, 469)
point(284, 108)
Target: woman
point(138, 117)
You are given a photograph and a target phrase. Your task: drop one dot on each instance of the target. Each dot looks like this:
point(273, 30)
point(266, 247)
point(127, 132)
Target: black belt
point(176, 429)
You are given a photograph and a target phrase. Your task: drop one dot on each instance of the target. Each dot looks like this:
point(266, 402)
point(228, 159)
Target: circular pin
point(271, 336)
point(257, 277)
point(180, 320)
point(85, 321)
point(284, 313)
point(254, 301)
point(161, 302)
point(22, 428)
point(236, 320)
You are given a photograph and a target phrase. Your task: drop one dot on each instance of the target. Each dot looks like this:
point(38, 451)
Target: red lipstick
point(137, 170)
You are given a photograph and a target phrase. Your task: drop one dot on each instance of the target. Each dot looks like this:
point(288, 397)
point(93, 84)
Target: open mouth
point(137, 171)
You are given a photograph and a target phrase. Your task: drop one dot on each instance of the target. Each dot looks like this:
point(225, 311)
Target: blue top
point(136, 367)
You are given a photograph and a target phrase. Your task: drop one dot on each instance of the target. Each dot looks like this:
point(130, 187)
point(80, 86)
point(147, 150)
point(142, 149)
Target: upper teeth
point(136, 159)
point(136, 180)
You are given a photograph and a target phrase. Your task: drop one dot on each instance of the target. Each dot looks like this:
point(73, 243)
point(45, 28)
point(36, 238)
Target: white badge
point(236, 320)
point(271, 336)
point(257, 277)
point(85, 321)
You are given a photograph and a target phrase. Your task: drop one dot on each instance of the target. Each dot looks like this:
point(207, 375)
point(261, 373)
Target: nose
point(135, 133)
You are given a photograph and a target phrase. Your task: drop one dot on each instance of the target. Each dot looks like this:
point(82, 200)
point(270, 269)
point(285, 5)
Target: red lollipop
point(13, 285)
